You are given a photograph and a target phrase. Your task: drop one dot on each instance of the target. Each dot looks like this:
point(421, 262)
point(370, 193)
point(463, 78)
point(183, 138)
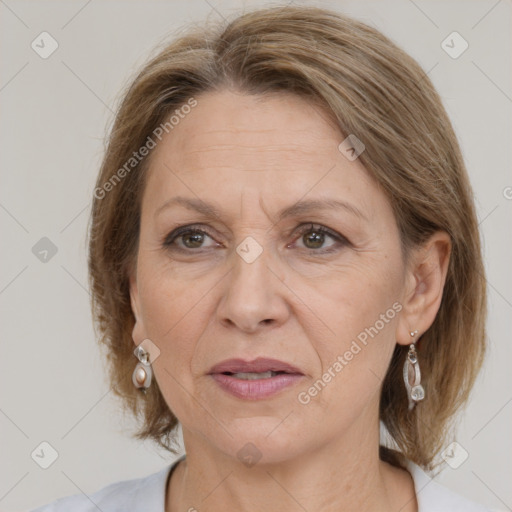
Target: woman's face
point(258, 284)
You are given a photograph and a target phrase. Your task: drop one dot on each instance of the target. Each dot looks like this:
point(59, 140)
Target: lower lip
point(258, 388)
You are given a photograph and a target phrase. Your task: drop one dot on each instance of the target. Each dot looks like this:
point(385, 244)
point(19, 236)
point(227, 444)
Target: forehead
point(232, 145)
point(257, 131)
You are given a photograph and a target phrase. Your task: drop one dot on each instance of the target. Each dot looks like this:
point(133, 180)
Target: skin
point(251, 157)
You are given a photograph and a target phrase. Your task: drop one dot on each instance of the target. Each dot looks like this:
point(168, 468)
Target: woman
point(284, 256)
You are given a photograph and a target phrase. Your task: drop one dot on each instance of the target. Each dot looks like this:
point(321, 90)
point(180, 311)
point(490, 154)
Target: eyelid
point(312, 226)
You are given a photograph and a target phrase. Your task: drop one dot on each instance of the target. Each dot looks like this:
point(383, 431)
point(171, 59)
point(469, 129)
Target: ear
point(425, 278)
point(138, 333)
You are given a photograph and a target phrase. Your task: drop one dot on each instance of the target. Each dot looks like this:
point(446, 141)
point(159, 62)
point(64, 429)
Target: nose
point(254, 295)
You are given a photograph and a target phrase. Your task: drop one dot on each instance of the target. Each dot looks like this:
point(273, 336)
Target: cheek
point(174, 317)
point(175, 313)
point(347, 299)
point(171, 300)
point(354, 366)
point(358, 309)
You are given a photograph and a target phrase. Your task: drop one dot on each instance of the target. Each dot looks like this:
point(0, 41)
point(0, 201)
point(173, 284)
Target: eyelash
point(305, 228)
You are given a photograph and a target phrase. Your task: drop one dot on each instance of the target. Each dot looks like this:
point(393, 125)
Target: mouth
point(255, 380)
point(254, 375)
point(262, 367)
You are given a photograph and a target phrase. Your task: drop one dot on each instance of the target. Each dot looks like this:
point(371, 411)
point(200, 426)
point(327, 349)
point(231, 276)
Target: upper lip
point(261, 364)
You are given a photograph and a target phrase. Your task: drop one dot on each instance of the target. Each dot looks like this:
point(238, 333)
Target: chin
point(261, 440)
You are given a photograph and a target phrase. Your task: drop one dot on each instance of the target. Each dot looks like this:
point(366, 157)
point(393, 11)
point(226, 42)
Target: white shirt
point(147, 494)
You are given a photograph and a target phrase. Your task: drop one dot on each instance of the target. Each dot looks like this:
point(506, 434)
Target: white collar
point(434, 497)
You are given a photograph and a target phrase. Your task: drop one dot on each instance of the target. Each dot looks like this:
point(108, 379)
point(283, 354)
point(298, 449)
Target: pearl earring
point(143, 373)
point(412, 375)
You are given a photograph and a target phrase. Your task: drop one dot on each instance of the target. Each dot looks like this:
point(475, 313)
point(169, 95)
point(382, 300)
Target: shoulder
point(434, 497)
point(145, 494)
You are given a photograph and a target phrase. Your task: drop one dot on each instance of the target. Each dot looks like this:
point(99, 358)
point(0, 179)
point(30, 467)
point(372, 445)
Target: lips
point(260, 379)
point(259, 365)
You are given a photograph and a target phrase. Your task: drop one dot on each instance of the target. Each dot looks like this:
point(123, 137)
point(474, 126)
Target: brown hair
point(372, 89)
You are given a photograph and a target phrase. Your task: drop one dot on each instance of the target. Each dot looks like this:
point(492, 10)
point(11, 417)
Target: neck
point(340, 475)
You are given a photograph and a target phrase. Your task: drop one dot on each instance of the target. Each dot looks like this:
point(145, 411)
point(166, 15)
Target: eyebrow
point(300, 207)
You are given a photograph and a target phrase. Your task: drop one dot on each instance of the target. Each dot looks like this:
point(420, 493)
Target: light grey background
point(54, 116)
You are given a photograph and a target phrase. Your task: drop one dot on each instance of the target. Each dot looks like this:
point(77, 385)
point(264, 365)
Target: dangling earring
point(143, 373)
point(412, 375)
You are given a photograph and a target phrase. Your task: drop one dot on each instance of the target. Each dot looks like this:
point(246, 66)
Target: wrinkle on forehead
point(257, 153)
point(233, 131)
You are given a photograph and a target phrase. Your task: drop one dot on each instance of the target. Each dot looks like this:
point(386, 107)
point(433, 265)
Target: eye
point(313, 237)
point(190, 237)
